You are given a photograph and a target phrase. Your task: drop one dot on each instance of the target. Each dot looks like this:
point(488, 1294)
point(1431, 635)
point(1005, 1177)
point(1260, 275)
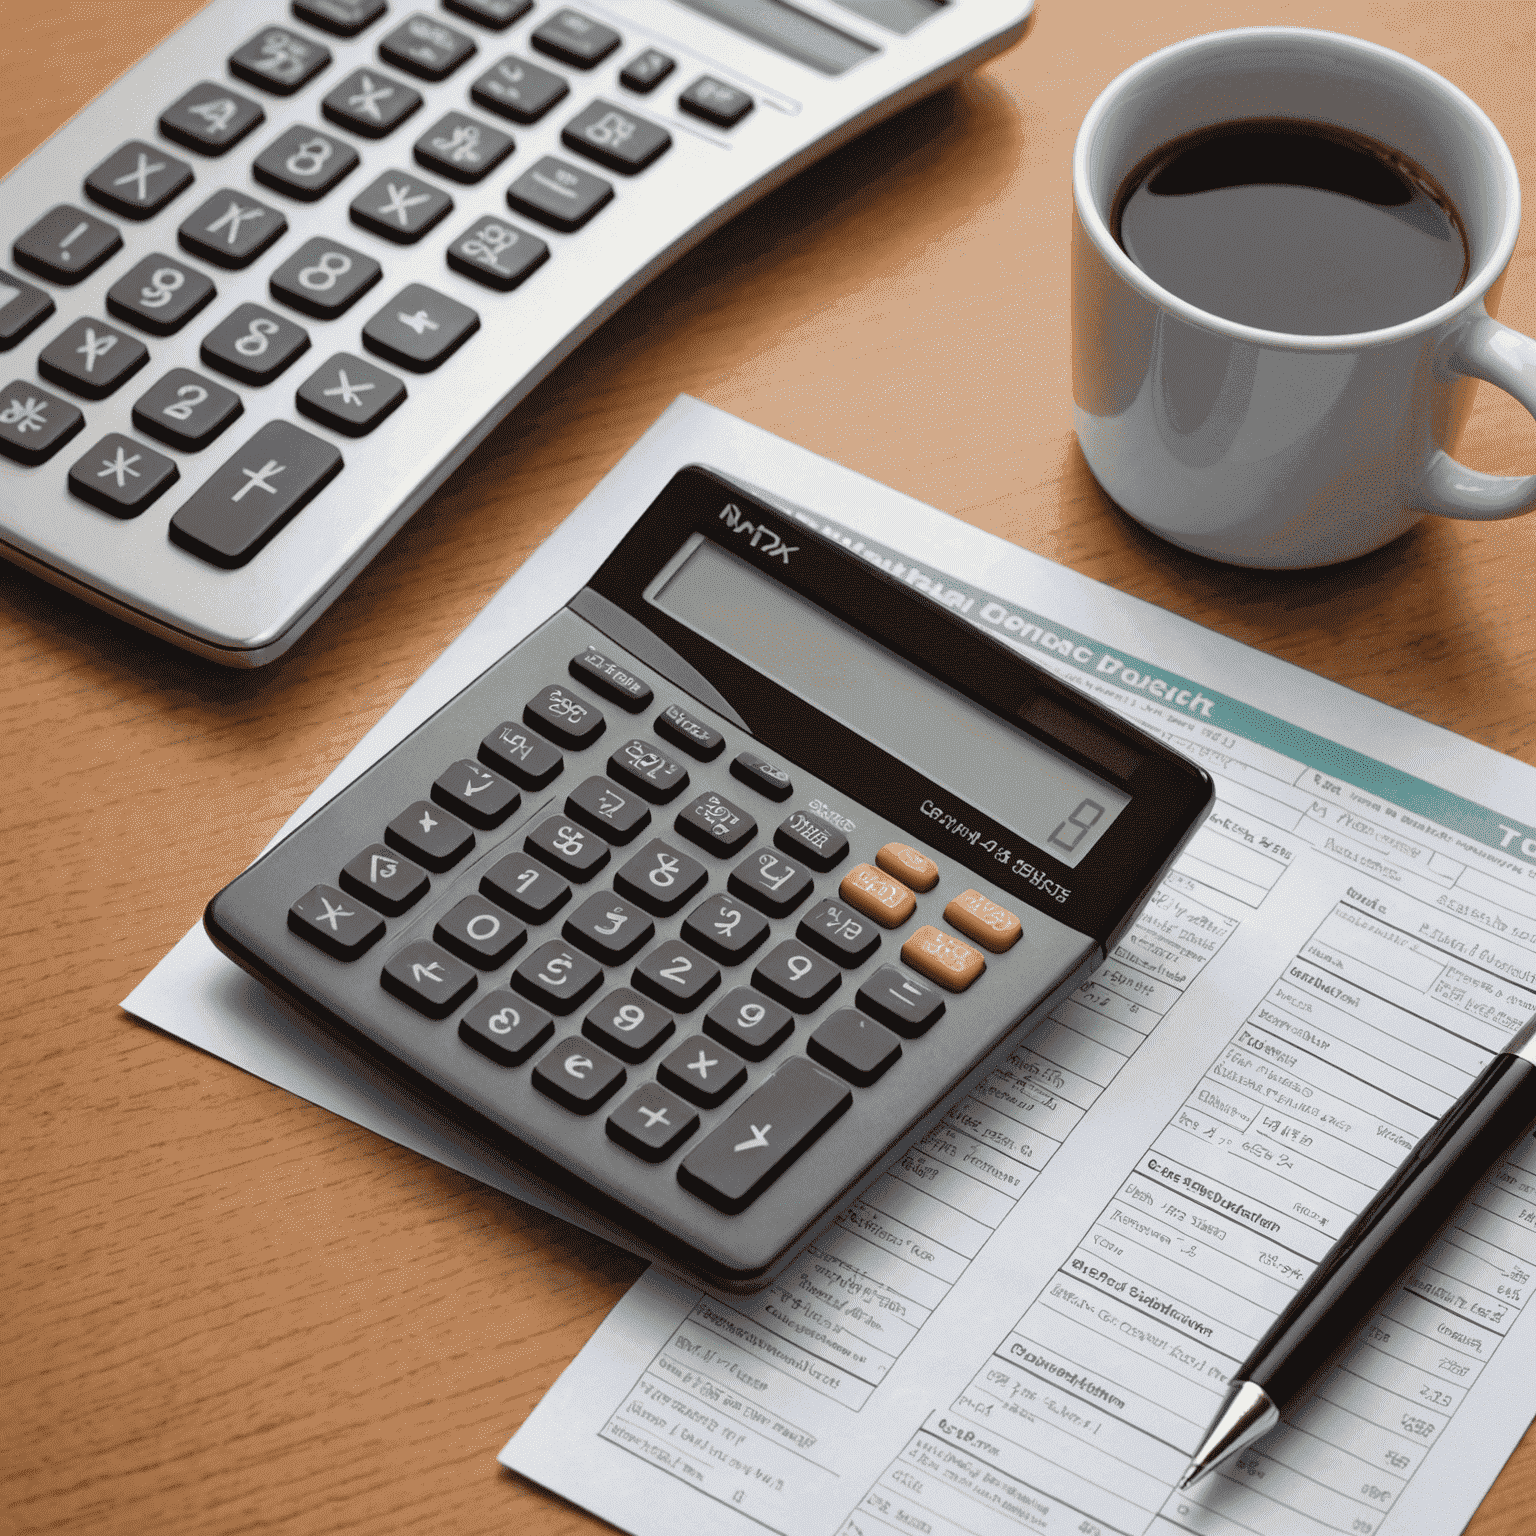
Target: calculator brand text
point(759, 535)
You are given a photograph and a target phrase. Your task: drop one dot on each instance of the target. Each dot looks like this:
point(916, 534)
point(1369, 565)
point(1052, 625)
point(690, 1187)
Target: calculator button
point(210, 118)
point(839, 933)
point(703, 1071)
point(942, 958)
point(278, 60)
point(526, 759)
point(426, 48)
point(652, 1123)
point(676, 974)
point(91, 358)
point(304, 163)
point(384, 879)
point(255, 495)
point(646, 71)
point(660, 878)
point(789, 974)
point(642, 768)
point(35, 423)
point(629, 1025)
point(121, 476)
point(420, 329)
point(875, 894)
point(616, 814)
point(160, 295)
point(22, 309)
point(579, 1075)
point(725, 929)
point(335, 923)
point(570, 850)
point(429, 979)
point(575, 39)
point(484, 799)
point(324, 279)
point(461, 149)
point(519, 90)
point(565, 717)
point(557, 977)
point(609, 929)
point(369, 103)
point(820, 845)
point(186, 410)
point(690, 733)
point(346, 18)
point(615, 138)
point(506, 1028)
point(558, 194)
point(749, 1023)
point(763, 1135)
point(992, 926)
point(496, 14)
point(495, 253)
point(909, 866)
point(66, 244)
point(854, 1047)
point(430, 836)
point(231, 229)
point(138, 180)
point(714, 823)
point(349, 395)
point(253, 345)
point(765, 777)
point(716, 102)
point(773, 885)
point(476, 931)
point(909, 1006)
point(612, 680)
point(522, 887)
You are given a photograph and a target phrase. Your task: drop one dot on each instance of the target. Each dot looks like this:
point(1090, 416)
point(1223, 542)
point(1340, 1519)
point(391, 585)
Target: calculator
point(272, 286)
point(723, 884)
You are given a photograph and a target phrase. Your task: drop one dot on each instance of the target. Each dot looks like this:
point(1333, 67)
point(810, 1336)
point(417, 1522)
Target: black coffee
point(1292, 226)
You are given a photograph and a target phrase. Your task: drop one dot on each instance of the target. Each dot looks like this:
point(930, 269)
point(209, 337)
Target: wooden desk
point(225, 1310)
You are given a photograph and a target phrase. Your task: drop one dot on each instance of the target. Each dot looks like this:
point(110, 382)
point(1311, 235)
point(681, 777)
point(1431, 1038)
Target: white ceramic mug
point(1263, 448)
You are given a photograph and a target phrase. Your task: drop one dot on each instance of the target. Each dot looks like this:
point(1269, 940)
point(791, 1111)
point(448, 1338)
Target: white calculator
point(270, 288)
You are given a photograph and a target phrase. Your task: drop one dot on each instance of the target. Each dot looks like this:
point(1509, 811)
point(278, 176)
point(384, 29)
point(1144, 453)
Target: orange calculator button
point(880, 898)
point(992, 926)
point(943, 958)
point(909, 866)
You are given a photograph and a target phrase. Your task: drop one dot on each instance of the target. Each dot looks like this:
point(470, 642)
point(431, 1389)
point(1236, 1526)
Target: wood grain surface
point(225, 1310)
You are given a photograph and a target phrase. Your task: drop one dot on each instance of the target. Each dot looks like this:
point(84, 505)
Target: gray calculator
point(723, 884)
point(268, 290)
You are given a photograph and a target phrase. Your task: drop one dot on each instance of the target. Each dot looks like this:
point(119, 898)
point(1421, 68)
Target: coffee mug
point(1279, 450)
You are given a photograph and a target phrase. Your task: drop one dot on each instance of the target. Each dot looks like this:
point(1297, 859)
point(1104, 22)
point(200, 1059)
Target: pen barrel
point(1361, 1267)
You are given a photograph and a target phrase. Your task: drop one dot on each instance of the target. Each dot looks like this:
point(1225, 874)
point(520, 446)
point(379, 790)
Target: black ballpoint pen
point(1373, 1252)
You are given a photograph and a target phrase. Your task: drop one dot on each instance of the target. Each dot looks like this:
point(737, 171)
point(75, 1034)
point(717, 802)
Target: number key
point(791, 975)
point(676, 974)
point(497, 254)
point(629, 1025)
point(770, 882)
point(557, 977)
point(578, 1075)
point(749, 1023)
point(660, 878)
point(304, 163)
point(714, 823)
point(253, 345)
point(521, 886)
point(476, 931)
point(839, 932)
point(186, 410)
point(159, 295)
point(210, 118)
point(726, 929)
point(505, 1028)
point(617, 814)
point(567, 848)
point(609, 929)
point(278, 60)
point(324, 279)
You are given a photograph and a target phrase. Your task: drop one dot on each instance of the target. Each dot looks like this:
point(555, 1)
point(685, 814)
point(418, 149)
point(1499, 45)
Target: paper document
point(1028, 1325)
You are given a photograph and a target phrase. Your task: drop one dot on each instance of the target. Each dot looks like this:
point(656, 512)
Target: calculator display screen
point(1057, 805)
point(788, 30)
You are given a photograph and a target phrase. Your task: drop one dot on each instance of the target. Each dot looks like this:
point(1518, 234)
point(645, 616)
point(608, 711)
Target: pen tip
point(1192, 1475)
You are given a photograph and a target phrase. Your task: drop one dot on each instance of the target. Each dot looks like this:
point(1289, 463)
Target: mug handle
point(1485, 350)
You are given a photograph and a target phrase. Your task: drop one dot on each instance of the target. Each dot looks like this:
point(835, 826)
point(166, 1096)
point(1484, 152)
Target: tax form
point(1029, 1323)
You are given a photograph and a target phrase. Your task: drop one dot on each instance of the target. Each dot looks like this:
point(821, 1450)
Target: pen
point(1377, 1247)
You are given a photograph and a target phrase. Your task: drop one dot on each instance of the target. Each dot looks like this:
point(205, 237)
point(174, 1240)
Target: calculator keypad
point(92, 359)
point(66, 245)
point(254, 345)
point(138, 180)
point(426, 48)
point(160, 295)
point(462, 149)
point(231, 230)
point(349, 395)
point(35, 424)
point(211, 119)
point(559, 195)
point(121, 476)
point(304, 163)
point(518, 90)
point(369, 103)
point(278, 60)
